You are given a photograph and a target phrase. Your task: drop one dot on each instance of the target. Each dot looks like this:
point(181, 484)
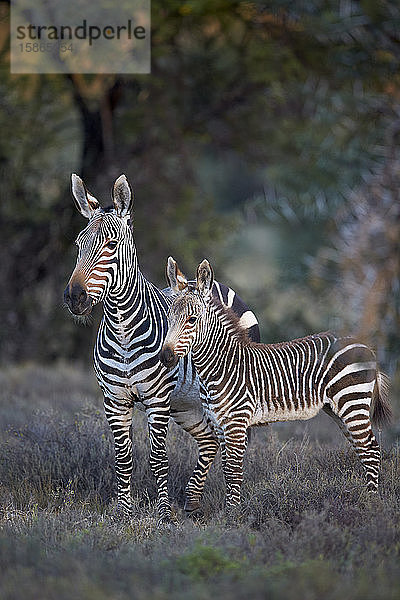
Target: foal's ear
point(205, 278)
point(122, 196)
point(175, 277)
point(84, 202)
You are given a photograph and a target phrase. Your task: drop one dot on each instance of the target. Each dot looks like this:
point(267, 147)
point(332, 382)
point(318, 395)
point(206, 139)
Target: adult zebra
point(129, 340)
point(249, 384)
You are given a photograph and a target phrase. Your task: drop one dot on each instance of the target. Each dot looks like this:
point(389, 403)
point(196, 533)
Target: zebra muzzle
point(168, 357)
point(77, 300)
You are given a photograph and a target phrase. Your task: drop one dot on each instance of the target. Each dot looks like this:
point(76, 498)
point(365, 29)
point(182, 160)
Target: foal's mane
point(241, 335)
point(230, 317)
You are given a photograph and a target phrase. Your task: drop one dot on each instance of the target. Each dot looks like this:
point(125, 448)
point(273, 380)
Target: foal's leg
point(235, 446)
point(356, 426)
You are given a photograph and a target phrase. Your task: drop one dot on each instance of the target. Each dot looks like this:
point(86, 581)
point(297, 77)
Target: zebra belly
point(283, 413)
point(185, 402)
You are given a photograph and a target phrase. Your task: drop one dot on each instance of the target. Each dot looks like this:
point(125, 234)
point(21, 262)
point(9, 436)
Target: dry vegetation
point(307, 528)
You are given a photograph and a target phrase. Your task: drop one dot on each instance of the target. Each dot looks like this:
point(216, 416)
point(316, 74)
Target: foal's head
point(187, 316)
point(105, 247)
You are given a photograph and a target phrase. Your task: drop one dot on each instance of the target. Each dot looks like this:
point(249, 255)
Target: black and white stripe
point(129, 340)
point(250, 384)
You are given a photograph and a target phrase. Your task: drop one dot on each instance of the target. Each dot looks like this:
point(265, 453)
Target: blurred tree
point(365, 262)
point(295, 94)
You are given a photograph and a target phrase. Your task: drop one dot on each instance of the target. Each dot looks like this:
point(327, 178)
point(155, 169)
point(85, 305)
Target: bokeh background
point(266, 139)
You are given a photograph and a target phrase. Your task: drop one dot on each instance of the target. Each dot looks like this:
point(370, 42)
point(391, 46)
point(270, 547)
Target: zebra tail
point(381, 410)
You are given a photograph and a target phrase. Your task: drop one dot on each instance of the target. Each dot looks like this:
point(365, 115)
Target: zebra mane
point(229, 317)
point(240, 334)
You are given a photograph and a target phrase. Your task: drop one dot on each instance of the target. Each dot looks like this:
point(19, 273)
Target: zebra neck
point(134, 309)
point(220, 349)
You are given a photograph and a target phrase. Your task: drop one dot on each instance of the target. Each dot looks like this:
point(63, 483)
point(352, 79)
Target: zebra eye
point(192, 320)
point(111, 244)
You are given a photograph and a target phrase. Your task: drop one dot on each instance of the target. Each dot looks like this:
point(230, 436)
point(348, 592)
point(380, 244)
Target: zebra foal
point(246, 383)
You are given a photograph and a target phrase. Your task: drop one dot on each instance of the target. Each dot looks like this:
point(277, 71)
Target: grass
point(307, 529)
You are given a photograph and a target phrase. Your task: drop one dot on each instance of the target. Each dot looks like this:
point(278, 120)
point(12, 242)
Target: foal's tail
point(381, 409)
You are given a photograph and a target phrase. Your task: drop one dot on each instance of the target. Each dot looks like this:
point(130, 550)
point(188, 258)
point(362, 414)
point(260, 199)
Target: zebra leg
point(119, 417)
point(207, 444)
point(207, 447)
point(193, 419)
point(222, 446)
point(356, 426)
point(235, 446)
point(158, 429)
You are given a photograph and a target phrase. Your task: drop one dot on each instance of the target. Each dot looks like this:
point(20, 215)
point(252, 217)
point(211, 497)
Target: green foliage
point(206, 562)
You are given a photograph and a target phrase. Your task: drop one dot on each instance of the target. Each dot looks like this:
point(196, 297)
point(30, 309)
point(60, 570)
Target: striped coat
point(247, 383)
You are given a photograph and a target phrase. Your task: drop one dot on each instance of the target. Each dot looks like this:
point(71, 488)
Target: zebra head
point(187, 315)
point(106, 248)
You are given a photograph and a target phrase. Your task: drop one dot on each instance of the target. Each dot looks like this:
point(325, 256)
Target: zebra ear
point(84, 202)
point(175, 277)
point(205, 278)
point(122, 197)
